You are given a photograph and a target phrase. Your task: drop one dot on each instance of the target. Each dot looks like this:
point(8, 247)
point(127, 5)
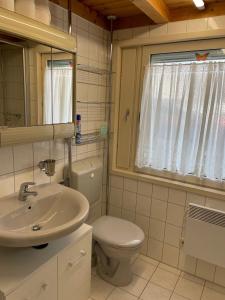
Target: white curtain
point(182, 122)
point(58, 95)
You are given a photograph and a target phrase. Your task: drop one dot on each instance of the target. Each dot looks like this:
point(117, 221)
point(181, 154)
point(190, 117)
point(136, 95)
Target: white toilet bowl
point(116, 242)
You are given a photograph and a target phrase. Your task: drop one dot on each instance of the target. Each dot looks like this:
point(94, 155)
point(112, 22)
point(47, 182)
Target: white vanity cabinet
point(61, 271)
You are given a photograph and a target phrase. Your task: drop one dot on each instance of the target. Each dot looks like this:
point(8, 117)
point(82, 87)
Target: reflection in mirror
point(58, 76)
point(53, 86)
point(12, 92)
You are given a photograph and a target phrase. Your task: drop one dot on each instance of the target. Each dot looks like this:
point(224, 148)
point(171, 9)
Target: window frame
point(147, 51)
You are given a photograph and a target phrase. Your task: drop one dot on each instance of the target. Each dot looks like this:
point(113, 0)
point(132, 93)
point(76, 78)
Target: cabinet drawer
point(41, 285)
point(74, 270)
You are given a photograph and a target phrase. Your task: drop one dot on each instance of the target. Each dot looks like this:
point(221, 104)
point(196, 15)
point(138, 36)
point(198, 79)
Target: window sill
point(192, 188)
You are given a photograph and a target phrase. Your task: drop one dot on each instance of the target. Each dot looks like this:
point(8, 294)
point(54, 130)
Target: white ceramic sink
point(55, 212)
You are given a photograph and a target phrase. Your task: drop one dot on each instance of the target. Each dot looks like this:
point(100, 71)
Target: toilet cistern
point(24, 191)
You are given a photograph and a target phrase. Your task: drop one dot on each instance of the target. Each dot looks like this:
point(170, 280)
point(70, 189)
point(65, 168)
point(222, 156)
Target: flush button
point(92, 175)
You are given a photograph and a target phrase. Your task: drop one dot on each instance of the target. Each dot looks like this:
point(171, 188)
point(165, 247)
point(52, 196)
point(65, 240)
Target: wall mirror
point(36, 84)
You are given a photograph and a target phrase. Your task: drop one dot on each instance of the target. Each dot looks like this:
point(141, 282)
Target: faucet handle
point(25, 185)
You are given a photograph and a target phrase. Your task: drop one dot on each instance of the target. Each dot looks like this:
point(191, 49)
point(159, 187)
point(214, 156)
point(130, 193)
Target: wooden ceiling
point(132, 13)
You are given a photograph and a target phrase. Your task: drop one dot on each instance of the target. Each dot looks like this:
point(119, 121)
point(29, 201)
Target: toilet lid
point(117, 232)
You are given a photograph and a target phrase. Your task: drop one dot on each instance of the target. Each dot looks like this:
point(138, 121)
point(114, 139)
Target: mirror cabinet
point(36, 84)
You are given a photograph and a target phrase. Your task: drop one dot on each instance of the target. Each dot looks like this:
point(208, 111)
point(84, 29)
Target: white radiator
point(205, 234)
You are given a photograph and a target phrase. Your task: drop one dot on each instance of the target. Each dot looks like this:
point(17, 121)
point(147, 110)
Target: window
point(182, 120)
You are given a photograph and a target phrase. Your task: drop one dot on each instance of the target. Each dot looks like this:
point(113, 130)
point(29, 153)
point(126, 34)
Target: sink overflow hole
point(36, 227)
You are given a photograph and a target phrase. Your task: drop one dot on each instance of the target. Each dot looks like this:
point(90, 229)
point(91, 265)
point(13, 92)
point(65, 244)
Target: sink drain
point(36, 227)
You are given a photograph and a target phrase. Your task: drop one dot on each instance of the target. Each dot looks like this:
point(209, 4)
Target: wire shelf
point(88, 138)
point(91, 69)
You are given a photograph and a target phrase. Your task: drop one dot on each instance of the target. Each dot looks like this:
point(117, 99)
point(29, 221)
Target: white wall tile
point(115, 211)
point(175, 214)
point(116, 197)
point(215, 203)
point(143, 205)
point(144, 188)
point(23, 156)
point(177, 197)
point(173, 235)
point(130, 185)
point(160, 192)
point(129, 200)
point(155, 249)
point(116, 181)
point(7, 186)
point(170, 255)
point(6, 160)
point(128, 215)
point(158, 209)
point(157, 229)
point(143, 223)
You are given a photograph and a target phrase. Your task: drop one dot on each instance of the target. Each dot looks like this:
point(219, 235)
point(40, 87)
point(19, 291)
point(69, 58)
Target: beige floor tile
point(189, 288)
point(177, 297)
point(155, 292)
point(137, 286)
point(209, 294)
point(169, 269)
point(143, 268)
point(118, 294)
point(100, 289)
point(149, 260)
point(164, 279)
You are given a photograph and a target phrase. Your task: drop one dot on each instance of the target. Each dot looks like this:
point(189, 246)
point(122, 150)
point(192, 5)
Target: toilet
point(115, 241)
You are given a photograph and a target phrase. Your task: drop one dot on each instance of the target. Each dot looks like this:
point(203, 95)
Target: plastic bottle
point(78, 129)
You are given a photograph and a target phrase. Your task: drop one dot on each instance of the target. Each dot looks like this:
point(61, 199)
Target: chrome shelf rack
point(88, 138)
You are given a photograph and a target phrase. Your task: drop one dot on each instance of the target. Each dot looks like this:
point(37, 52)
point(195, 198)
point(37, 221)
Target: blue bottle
point(78, 129)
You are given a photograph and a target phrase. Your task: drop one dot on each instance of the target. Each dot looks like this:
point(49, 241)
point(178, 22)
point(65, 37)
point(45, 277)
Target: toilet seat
point(117, 233)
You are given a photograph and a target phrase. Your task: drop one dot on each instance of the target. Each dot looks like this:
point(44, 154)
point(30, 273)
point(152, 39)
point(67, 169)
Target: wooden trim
point(85, 12)
point(156, 10)
point(213, 190)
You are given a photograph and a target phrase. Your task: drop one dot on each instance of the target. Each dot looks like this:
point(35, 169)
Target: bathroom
point(149, 228)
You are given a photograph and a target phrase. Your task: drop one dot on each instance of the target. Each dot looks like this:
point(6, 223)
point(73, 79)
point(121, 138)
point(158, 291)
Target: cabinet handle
point(43, 288)
point(76, 261)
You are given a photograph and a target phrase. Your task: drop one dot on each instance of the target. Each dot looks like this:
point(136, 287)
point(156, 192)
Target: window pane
point(182, 127)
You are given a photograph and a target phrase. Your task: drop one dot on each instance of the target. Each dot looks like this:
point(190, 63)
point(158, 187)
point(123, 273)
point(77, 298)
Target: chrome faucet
point(24, 191)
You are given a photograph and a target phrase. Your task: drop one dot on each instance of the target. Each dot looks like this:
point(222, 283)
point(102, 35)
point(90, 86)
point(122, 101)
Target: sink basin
point(55, 212)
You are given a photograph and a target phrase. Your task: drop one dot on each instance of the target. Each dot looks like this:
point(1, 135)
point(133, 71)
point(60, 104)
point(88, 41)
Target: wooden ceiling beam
point(85, 12)
point(156, 10)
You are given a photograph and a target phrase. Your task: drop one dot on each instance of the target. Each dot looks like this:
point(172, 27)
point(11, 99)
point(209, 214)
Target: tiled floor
point(156, 281)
